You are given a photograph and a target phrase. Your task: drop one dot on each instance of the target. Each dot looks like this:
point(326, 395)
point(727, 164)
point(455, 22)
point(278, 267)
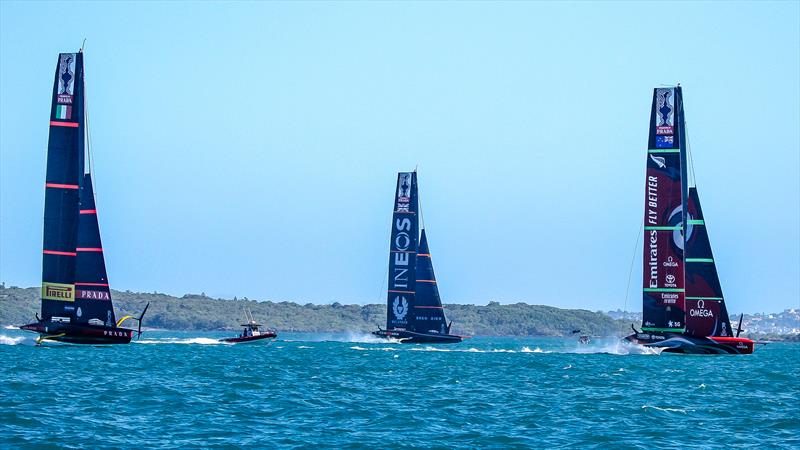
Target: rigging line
point(88, 133)
point(630, 271)
point(386, 272)
point(419, 202)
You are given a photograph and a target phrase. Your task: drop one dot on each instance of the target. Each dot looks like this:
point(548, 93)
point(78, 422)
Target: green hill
point(199, 312)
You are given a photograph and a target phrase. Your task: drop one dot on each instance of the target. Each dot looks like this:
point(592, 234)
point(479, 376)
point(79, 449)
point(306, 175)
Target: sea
point(187, 390)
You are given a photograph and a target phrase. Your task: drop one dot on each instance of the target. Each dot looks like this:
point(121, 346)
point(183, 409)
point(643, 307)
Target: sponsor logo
point(665, 112)
point(404, 192)
point(659, 160)
point(404, 185)
point(670, 262)
point(669, 299)
point(79, 313)
point(59, 319)
point(724, 331)
point(117, 333)
point(653, 263)
point(401, 257)
point(670, 280)
point(58, 291)
point(701, 311)
point(652, 200)
point(664, 130)
point(664, 142)
point(66, 78)
point(400, 307)
point(93, 295)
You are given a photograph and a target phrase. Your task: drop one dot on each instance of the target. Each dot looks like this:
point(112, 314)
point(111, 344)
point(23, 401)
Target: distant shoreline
point(202, 313)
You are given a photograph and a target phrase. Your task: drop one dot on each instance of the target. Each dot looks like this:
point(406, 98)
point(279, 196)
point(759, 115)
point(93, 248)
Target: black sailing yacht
point(683, 307)
point(76, 299)
point(414, 311)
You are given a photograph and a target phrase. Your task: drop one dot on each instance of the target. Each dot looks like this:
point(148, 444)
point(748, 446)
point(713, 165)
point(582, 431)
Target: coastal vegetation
point(200, 312)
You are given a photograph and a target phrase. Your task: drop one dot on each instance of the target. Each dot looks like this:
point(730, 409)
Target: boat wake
point(11, 327)
point(535, 350)
point(17, 340)
point(381, 349)
point(366, 338)
point(614, 348)
point(463, 350)
point(658, 408)
point(196, 341)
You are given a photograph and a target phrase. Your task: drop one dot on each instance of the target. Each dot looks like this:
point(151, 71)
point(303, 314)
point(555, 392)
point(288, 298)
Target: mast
point(428, 311)
point(93, 295)
point(403, 254)
point(663, 294)
point(65, 166)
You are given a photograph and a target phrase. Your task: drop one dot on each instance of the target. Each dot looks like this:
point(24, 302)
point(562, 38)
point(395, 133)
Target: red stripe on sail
point(61, 186)
point(54, 252)
point(92, 284)
point(428, 255)
point(64, 124)
point(88, 211)
point(89, 249)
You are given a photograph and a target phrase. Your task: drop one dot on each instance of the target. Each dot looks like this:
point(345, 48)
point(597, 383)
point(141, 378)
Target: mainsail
point(65, 166)
point(92, 294)
point(706, 314)
point(403, 254)
point(665, 189)
point(427, 309)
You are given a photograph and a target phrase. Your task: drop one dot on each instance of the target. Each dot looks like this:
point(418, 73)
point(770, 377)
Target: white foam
point(535, 350)
point(11, 327)
point(382, 349)
point(616, 347)
point(197, 341)
point(8, 340)
point(679, 410)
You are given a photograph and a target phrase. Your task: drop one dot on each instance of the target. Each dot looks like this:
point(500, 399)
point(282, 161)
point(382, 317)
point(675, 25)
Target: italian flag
point(63, 112)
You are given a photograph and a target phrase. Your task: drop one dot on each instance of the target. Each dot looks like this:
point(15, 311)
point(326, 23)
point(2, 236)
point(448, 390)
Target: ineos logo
point(402, 241)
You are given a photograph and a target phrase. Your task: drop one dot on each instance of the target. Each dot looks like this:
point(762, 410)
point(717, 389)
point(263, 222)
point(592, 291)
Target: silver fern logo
point(659, 160)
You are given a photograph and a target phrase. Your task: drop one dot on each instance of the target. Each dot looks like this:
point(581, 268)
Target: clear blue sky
point(251, 149)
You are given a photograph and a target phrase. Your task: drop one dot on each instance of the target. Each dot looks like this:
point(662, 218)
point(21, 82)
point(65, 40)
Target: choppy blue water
point(184, 390)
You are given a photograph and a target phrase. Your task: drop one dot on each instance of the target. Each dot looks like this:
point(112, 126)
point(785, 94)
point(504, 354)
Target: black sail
point(663, 275)
point(92, 293)
point(65, 166)
point(403, 254)
point(706, 314)
point(428, 311)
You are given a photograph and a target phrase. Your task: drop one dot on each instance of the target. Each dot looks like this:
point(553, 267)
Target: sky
point(251, 149)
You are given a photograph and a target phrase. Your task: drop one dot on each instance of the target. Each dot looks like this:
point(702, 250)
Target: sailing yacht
point(414, 311)
point(76, 298)
point(683, 306)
